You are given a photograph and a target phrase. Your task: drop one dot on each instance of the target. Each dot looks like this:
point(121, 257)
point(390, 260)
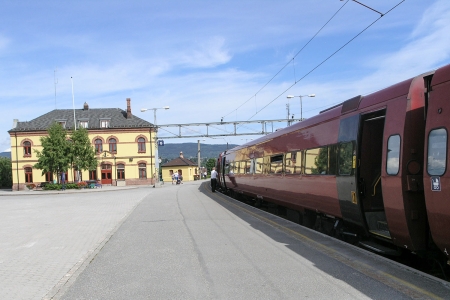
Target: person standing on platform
point(213, 180)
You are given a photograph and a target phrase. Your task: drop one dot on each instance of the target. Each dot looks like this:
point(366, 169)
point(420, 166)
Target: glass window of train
point(316, 161)
point(266, 164)
point(345, 158)
point(248, 164)
point(276, 164)
point(252, 166)
point(231, 167)
point(437, 152)
point(332, 159)
point(393, 155)
point(227, 167)
point(259, 165)
point(293, 163)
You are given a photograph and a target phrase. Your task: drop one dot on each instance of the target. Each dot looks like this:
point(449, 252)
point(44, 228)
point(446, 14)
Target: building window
point(104, 123)
point(26, 149)
point(28, 175)
point(49, 177)
point(141, 145)
point(142, 171)
point(93, 175)
point(112, 145)
point(83, 124)
point(121, 172)
point(98, 145)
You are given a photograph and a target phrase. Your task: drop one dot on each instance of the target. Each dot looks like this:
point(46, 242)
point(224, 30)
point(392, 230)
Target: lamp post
point(156, 139)
point(301, 108)
point(198, 159)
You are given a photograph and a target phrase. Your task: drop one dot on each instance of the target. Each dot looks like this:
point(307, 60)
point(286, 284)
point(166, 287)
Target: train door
point(369, 173)
point(223, 170)
point(346, 180)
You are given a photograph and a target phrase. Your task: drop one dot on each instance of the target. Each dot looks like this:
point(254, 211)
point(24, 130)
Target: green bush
point(58, 186)
point(52, 187)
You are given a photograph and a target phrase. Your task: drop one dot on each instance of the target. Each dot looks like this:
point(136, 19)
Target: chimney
point(15, 121)
point(85, 106)
point(181, 155)
point(129, 115)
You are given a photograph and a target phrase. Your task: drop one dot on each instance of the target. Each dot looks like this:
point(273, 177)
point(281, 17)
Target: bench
point(92, 184)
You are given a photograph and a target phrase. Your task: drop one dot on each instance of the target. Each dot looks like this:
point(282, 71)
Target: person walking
point(213, 179)
point(63, 180)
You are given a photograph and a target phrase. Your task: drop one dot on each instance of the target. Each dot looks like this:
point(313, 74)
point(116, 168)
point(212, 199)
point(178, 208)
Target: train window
point(227, 167)
point(293, 164)
point(276, 164)
point(437, 152)
point(231, 167)
point(332, 159)
point(252, 164)
point(393, 155)
point(247, 166)
point(346, 158)
point(316, 161)
point(259, 165)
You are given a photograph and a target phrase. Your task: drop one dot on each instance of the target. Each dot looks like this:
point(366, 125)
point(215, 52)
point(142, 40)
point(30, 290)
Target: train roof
point(348, 106)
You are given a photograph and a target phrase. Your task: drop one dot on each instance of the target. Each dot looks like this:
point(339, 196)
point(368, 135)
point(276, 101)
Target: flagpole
point(73, 104)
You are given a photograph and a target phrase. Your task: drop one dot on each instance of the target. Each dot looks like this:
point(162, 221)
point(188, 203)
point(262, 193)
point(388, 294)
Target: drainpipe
point(151, 156)
point(17, 163)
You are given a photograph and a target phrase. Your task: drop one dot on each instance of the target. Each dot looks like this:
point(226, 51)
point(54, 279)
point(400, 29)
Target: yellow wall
point(127, 153)
point(187, 171)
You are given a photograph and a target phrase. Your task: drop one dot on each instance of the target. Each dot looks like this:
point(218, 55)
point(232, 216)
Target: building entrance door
point(106, 174)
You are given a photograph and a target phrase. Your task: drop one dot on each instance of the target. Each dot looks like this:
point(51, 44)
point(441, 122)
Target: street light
point(301, 108)
point(198, 159)
point(156, 139)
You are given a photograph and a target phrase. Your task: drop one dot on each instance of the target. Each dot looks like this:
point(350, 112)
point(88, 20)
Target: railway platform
point(184, 242)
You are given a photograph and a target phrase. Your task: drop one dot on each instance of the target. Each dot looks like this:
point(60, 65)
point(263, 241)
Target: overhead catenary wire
point(293, 58)
point(326, 59)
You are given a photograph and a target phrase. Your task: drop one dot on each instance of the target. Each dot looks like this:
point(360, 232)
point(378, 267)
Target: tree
point(55, 155)
point(5, 172)
point(82, 154)
point(211, 163)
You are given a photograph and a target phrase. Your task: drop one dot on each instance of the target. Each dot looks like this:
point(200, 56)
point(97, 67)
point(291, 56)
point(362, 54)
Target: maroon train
point(373, 168)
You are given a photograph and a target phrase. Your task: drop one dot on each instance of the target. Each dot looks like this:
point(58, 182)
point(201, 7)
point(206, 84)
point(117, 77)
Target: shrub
point(52, 187)
point(71, 186)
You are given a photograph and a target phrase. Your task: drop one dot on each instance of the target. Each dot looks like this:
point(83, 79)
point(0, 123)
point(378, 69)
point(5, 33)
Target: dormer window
point(104, 123)
point(62, 123)
point(83, 124)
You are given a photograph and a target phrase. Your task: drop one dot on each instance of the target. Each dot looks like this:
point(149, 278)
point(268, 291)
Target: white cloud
point(206, 54)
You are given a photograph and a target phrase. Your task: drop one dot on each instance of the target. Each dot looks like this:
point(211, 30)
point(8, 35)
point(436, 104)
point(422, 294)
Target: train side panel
point(437, 175)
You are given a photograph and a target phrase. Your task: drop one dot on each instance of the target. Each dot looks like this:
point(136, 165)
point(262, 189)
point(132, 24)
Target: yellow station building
point(183, 166)
point(124, 144)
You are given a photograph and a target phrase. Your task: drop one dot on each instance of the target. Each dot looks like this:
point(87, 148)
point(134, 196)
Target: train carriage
point(437, 176)
point(358, 165)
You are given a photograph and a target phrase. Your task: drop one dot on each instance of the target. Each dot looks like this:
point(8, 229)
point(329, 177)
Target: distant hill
point(5, 154)
point(171, 151)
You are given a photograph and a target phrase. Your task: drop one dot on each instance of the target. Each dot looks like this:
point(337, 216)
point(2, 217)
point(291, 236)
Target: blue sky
point(209, 59)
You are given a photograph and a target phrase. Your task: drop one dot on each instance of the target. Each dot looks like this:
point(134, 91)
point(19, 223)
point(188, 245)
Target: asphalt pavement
point(181, 242)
